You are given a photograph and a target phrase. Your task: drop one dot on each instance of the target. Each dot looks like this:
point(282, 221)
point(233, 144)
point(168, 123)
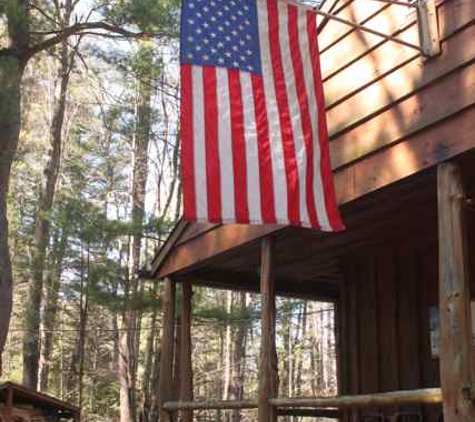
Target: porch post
point(268, 375)
point(456, 366)
point(186, 377)
point(166, 358)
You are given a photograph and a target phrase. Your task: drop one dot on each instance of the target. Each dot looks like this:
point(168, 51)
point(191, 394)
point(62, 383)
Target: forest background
point(89, 189)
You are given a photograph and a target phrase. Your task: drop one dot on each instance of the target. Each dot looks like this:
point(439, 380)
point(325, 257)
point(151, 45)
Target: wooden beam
point(268, 375)
point(426, 396)
point(456, 363)
point(166, 345)
point(428, 29)
point(186, 376)
point(310, 413)
point(393, 398)
point(246, 281)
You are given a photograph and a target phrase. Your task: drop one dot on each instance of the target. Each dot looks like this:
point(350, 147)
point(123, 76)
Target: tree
point(29, 30)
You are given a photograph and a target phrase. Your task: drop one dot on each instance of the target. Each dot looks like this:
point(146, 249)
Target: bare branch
point(84, 28)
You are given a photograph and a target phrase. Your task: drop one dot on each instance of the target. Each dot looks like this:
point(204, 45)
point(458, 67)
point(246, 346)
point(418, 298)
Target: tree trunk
point(31, 344)
point(51, 310)
point(130, 337)
point(10, 112)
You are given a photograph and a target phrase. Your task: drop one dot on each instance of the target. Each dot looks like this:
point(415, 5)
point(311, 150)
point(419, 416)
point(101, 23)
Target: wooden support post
point(166, 346)
point(428, 29)
point(268, 375)
point(456, 366)
point(10, 405)
point(186, 376)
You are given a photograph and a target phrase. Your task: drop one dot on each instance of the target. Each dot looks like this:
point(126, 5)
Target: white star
point(206, 41)
point(235, 64)
point(250, 68)
point(189, 38)
point(249, 52)
point(220, 45)
point(190, 55)
point(235, 48)
point(234, 32)
point(205, 57)
point(206, 24)
point(199, 31)
point(198, 48)
point(213, 18)
point(220, 60)
point(191, 21)
point(228, 54)
point(220, 28)
point(213, 34)
point(242, 42)
point(214, 51)
point(227, 23)
point(228, 38)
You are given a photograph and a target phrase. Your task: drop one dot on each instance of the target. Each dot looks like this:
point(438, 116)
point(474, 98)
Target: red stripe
point(291, 170)
point(266, 178)
point(213, 174)
point(239, 147)
point(327, 174)
point(304, 111)
point(187, 153)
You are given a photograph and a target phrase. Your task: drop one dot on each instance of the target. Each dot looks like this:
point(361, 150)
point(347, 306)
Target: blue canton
point(220, 33)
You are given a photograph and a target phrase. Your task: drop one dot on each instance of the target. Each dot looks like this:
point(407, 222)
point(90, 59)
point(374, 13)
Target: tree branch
point(82, 28)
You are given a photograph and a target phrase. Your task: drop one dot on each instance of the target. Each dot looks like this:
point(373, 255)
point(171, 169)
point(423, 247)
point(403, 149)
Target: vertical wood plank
point(408, 321)
point(166, 345)
point(268, 372)
point(456, 367)
point(186, 378)
point(10, 405)
point(428, 29)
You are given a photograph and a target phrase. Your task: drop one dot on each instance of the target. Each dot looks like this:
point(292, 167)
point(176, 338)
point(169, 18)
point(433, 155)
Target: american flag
point(254, 138)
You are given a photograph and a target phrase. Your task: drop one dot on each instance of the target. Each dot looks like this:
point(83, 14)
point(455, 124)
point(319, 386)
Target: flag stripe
point(187, 142)
point(199, 152)
point(275, 142)
point(239, 146)
point(225, 146)
point(326, 172)
point(266, 178)
point(302, 97)
point(252, 158)
point(212, 149)
point(291, 171)
point(294, 109)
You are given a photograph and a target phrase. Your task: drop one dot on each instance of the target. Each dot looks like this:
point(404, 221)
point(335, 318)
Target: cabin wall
point(387, 291)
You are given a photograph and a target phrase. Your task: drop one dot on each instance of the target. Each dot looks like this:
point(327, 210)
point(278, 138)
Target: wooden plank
point(9, 405)
point(196, 229)
point(415, 113)
point(268, 372)
point(396, 86)
point(357, 43)
point(456, 363)
point(387, 320)
point(408, 320)
point(213, 243)
point(443, 141)
point(166, 348)
point(186, 377)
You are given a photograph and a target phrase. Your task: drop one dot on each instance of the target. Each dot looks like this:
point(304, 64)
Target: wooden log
point(268, 375)
point(186, 377)
point(394, 398)
point(166, 345)
point(210, 405)
point(456, 364)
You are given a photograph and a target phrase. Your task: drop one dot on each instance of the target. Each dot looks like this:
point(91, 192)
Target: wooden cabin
point(20, 404)
point(402, 132)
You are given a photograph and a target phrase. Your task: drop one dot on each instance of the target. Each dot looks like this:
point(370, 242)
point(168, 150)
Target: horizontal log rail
point(394, 398)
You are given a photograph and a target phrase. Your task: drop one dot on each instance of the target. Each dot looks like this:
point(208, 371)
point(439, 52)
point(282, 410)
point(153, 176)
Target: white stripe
point(199, 145)
point(225, 145)
point(252, 155)
point(275, 140)
point(294, 110)
point(319, 193)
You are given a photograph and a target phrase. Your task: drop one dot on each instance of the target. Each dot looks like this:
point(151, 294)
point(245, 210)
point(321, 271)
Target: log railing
point(428, 396)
